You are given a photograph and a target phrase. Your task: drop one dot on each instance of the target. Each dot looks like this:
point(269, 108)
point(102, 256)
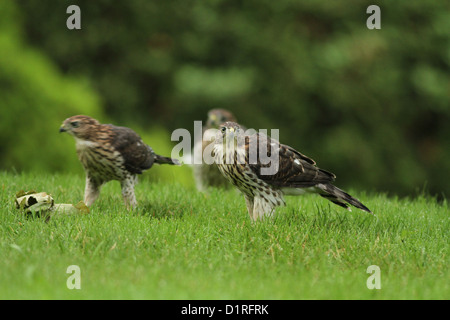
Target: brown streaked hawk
point(109, 152)
point(239, 158)
point(208, 175)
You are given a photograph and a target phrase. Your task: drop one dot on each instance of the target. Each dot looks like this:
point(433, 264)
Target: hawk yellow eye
point(75, 124)
point(223, 129)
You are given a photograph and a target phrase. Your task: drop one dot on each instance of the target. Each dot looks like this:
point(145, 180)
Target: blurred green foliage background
point(372, 106)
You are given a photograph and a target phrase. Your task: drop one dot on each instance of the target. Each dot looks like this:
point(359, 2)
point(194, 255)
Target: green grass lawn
point(181, 244)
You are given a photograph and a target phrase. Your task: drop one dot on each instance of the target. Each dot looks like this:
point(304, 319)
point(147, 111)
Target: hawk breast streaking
point(296, 173)
point(109, 152)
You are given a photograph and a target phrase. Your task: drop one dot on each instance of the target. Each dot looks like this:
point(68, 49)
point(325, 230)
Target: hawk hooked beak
point(230, 135)
point(228, 132)
point(62, 129)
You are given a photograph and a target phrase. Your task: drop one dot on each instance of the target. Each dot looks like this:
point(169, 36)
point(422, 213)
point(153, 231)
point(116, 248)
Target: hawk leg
point(128, 191)
point(249, 203)
point(262, 208)
point(91, 191)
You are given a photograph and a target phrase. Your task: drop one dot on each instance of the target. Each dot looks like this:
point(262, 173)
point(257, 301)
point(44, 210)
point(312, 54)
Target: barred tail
point(165, 160)
point(340, 197)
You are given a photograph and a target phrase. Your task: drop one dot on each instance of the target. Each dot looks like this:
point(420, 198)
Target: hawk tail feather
point(340, 197)
point(166, 160)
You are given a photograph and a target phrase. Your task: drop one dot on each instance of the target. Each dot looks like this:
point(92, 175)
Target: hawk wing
point(136, 154)
point(295, 170)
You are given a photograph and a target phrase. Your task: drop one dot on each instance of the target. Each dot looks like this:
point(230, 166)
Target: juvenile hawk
point(296, 174)
point(109, 152)
point(206, 175)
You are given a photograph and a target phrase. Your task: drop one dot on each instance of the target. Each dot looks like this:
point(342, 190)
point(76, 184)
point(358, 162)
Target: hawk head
point(218, 116)
point(230, 134)
point(80, 126)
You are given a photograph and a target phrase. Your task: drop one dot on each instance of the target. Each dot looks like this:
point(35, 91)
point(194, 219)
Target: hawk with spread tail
point(109, 152)
point(239, 158)
point(208, 175)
